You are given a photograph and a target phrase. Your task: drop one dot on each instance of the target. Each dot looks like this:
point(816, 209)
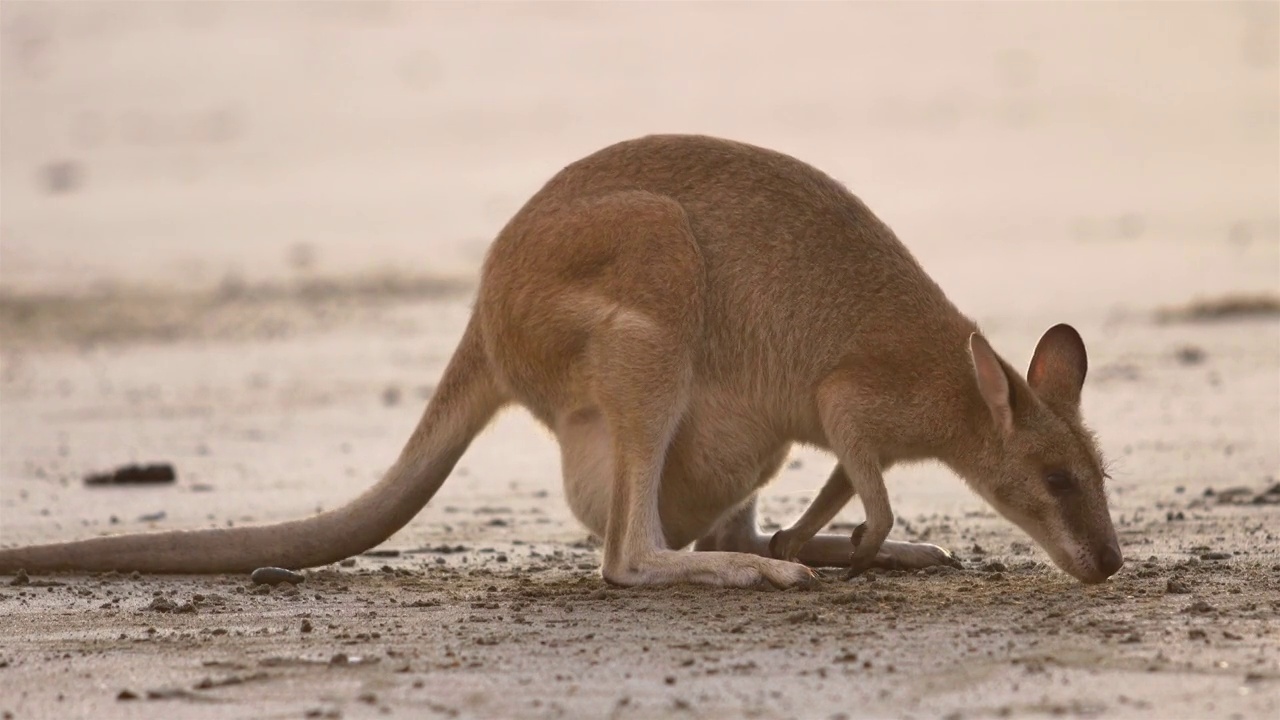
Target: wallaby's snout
point(1109, 560)
point(1043, 469)
point(1090, 554)
point(1094, 566)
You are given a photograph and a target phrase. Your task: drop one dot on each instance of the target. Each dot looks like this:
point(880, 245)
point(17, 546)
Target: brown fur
point(679, 311)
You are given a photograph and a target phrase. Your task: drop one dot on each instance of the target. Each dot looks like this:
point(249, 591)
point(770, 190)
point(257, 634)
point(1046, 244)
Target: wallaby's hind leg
point(638, 371)
point(643, 396)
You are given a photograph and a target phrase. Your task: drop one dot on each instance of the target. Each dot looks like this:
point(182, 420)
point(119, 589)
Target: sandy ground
point(241, 238)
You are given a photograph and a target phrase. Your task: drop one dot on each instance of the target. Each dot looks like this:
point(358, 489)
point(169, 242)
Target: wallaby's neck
point(972, 447)
point(952, 422)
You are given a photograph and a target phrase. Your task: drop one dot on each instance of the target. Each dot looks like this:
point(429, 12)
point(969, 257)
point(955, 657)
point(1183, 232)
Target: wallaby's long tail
point(468, 396)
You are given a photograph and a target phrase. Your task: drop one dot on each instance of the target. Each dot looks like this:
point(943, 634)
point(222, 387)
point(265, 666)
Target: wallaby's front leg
point(841, 420)
point(835, 494)
point(739, 533)
point(870, 536)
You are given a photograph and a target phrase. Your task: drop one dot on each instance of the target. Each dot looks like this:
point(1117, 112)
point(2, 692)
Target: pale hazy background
point(196, 141)
point(1084, 162)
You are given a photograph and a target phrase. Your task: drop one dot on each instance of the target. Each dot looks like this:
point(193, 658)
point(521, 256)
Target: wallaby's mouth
point(1090, 562)
point(1088, 567)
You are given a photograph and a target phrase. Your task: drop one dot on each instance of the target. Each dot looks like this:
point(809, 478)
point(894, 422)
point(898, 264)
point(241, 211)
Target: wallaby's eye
point(1060, 483)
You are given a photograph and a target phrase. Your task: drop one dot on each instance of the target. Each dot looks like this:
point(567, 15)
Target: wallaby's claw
point(807, 580)
point(811, 582)
point(861, 559)
point(857, 567)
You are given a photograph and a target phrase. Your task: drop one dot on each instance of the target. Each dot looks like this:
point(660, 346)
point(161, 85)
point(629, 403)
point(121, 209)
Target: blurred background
point(259, 223)
point(193, 144)
point(242, 238)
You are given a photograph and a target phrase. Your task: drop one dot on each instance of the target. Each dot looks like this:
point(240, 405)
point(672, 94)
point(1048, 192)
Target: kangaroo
point(679, 311)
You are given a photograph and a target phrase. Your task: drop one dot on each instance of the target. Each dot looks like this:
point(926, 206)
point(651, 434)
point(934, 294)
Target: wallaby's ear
point(992, 382)
point(1059, 365)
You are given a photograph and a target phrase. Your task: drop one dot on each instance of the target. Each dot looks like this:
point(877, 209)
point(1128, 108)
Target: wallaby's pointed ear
point(993, 384)
point(1059, 365)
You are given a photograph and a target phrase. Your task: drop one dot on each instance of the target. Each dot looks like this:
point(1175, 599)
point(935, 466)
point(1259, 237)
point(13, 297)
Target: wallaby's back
point(797, 271)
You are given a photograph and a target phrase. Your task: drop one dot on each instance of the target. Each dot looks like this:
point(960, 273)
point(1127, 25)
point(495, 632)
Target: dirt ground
point(242, 239)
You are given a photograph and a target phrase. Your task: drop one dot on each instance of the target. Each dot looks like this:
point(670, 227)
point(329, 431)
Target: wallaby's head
point(1040, 467)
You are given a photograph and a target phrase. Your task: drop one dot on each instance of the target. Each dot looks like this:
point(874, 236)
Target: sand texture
point(242, 239)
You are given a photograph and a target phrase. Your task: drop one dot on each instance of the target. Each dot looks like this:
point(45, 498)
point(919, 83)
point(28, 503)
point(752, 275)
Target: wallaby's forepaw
point(863, 557)
point(784, 546)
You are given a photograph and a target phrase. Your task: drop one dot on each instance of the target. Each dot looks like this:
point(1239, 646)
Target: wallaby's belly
point(716, 461)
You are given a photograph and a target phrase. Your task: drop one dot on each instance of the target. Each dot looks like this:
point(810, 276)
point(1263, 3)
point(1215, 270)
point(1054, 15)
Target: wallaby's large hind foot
point(830, 550)
point(722, 569)
point(898, 555)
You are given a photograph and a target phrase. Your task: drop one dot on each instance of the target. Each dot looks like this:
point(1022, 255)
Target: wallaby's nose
point(1109, 560)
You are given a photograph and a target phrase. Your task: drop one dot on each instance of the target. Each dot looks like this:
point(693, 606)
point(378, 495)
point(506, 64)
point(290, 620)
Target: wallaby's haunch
point(680, 311)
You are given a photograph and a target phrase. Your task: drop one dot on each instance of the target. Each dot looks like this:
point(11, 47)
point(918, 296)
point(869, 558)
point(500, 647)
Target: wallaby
point(679, 311)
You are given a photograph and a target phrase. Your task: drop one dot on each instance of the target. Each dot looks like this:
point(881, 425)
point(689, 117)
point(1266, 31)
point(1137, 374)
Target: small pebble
point(160, 473)
point(20, 578)
point(1190, 355)
point(275, 576)
point(1199, 607)
point(391, 396)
